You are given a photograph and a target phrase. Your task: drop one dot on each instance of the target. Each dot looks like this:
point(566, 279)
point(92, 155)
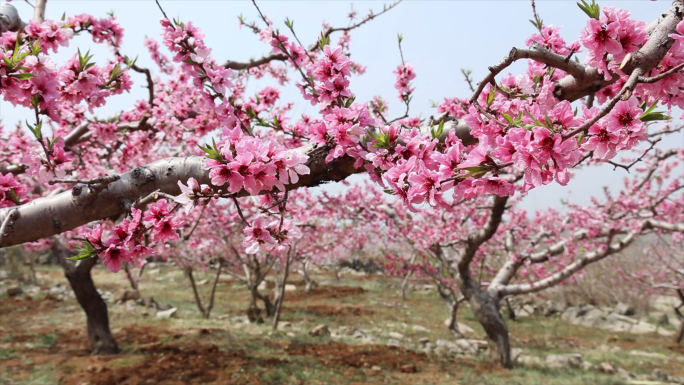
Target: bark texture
point(81, 282)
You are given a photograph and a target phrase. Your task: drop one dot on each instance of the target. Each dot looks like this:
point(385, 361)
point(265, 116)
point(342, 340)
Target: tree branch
point(39, 11)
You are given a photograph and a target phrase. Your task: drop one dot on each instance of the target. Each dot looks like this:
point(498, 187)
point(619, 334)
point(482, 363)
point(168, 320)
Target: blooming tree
point(200, 137)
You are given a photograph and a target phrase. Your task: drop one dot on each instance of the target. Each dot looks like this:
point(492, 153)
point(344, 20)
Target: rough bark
point(281, 293)
point(509, 309)
point(79, 277)
point(485, 307)
point(679, 337)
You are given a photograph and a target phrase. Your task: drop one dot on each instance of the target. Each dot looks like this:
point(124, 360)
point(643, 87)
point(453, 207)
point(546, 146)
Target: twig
point(164, 13)
point(624, 94)
point(627, 167)
point(535, 52)
point(104, 180)
point(468, 79)
point(239, 210)
point(661, 76)
point(537, 19)
point(155, 195)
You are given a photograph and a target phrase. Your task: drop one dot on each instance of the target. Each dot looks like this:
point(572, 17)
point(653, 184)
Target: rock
point(608, 348)
point(663, 320)
point(418, 328)
point(358, 334)
point(533, 361)
point(165, 314)
point(320, 330)
point(164, 306)
point(408, 368)
point(658, 375)
point(284, 325)
point(463, 328)
point(376, 368)
point(572, 360)
point(148, 302)
point(126, 295)
point(606, 367)
point(290, 287)
point(515, 354)
point(203, 282)
point(467, 346)
point(424, 340)
point(551, 307)
point(587, 366)
point(395, 335)
point(14, 291)
point(624, 309)
point(625, 375)
point(394, 343)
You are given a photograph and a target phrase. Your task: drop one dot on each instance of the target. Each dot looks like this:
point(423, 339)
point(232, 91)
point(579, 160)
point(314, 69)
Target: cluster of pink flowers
point(613, 34)
point(123, 243)
point(621, 129)
point(53, 163)
point(404, 74)
point(331, 73)
point(269, 235)
point(11, 191)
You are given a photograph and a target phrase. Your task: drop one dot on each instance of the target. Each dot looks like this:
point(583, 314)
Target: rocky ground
point(357, 330)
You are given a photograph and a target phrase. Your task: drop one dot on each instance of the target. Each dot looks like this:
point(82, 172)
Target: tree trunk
point(453, 322)
point(307, 279)
point(253, 312)
point(268, 306)
point(509, 309)
point(281, 293)
point(485, 306)
point(679, 336)
point(81, 282)
point(452, 302)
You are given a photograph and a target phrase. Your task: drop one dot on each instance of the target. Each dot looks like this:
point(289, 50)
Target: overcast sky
point(440, 38)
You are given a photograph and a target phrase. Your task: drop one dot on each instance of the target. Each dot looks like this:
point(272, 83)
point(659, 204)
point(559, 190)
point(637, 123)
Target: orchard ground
point(43, 338)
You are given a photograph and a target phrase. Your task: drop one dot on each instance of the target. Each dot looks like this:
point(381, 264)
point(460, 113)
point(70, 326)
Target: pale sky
point(440, 38)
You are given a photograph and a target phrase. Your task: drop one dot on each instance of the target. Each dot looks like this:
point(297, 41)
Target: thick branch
point(9, 19)
point(39, 11)
point(569, 270)
point(47, 216)
point(483, 235)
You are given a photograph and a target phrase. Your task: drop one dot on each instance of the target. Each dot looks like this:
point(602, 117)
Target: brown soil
point(27, 305)
point(360, 356)
point(339, 311)
point(324, 292)
point(173, 365)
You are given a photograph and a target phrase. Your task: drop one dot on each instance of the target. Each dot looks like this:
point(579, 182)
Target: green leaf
point(580, 138)
point(13, 196)
point(400, 38)
point(23, 76)
point(592, 10)
point(86, 251)
point(492, 94)
point(647, 111)
point(653, 116)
